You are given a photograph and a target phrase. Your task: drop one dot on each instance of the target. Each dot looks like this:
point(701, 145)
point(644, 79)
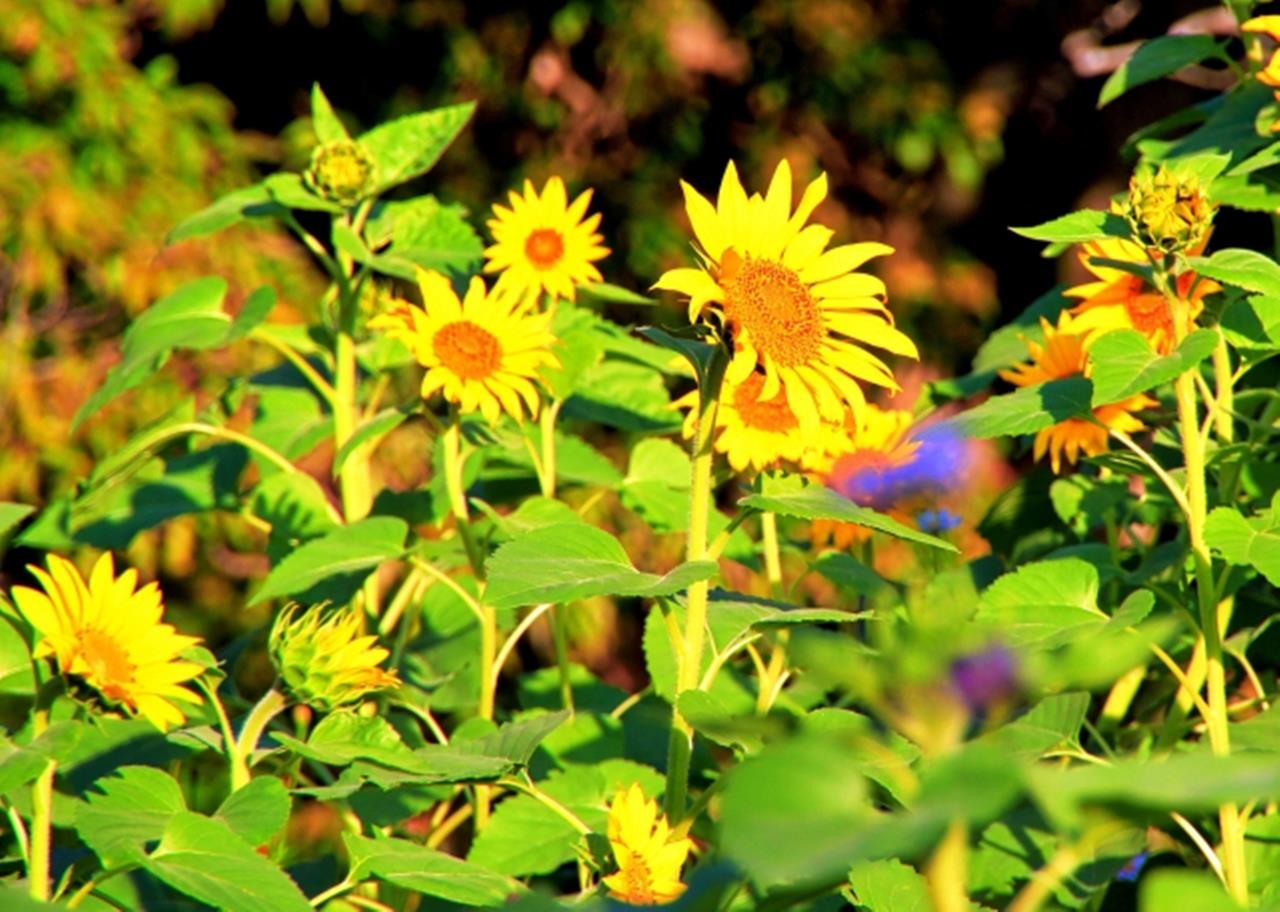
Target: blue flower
point(936, 520)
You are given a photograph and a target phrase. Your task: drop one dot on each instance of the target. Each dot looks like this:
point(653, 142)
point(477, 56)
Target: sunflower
point(327, 662)
point(483, 353)
point(544, 243)
point(108, 633)
point(649, 854)
point(1269, 26)
point(753, 433)
point(796, 311)
point(1063, 355)
point(1121, 300)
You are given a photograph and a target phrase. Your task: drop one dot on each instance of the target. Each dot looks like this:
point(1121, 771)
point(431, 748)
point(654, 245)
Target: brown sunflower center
point(470, 351)
point(544, 247)
point(110, 668)
point(774, 415)
point(1149, 314)
point(639, 880)
point(768, 302)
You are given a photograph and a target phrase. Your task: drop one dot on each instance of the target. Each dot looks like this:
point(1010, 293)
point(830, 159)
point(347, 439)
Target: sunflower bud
point(340, 171)
point(1167, 211)
point(326, 662)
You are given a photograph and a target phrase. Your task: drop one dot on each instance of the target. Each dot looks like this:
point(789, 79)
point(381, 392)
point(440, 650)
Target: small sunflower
point(796, 311)
point(545, 243)
point(1117, 299)
point(108, 633)
point(484, 352)
point(1063, 355)
point(327, 662)
point(1269, 26)
point(649, 853)
point(753, 433)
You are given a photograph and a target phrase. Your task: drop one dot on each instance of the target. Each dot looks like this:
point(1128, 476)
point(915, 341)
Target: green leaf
point(1253, 323)
point(1246, 269)
point(1078, 227)
point(814, 501)
point(415, 867)
point(709, 718)
point(1043, 604)
point(615, 294)
point(16, 673)
point(1028, 410)
point(202, 858)
point(889, 886)
point(1156, 58)
point(20, 765)
point(1247, 542)
point(189, 317)
point(423, 233)
point(1124, 364)
point(324, 121)
point(256, 308)
point(707, 360)
point(256, 811)
point(296, 507)
point(1182, 888)
point(290, 190)
point(336, 562)
point(235, 207)
point(374, 428)
point(624, 395)
point(657, 484)
point(1050, 723)
point(130, 809)
point(571, 561)
point(406, 147)
point(513, 741)
point(11, 514)
point(849, 573)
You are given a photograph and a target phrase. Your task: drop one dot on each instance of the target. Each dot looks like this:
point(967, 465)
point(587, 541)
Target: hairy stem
point(271, 704)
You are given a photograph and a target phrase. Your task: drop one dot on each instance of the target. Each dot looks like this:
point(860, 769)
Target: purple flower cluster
point(985, 678)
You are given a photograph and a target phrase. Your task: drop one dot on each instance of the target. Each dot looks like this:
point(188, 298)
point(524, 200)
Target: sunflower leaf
point(1078, 227)
point(1246, 269)
point(1156, 58)
point(1124, 364)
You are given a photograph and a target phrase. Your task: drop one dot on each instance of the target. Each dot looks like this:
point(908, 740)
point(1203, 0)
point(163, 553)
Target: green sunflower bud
point(1168, 211)
point(325, 662)
point(341, 171)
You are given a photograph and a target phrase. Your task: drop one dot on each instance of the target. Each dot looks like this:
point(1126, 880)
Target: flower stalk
point(271, 705)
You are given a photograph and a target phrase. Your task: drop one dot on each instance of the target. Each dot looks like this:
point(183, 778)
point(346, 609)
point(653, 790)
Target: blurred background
point(940, 124)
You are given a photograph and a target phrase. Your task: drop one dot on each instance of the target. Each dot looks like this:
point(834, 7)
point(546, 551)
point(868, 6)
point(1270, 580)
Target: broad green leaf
point(256, 308)
point(324, 121)
point(1245, 269)
point(533, 513)
point(203, 858)
point(1050, 723)
point(814, 501)
point(1124, 364)
point(235, 207)
point(1183, 888)
point(1043, 604)
point(423, 233)
point(707, 360)
point(513, 741)
point(709, 718)
point(1262, 857)
point(657, 484)
point(290, 190)
point(416, 867)
point(257, 811)
point(571, 561)
point(406, 147)
point(623, 395)
point(1248, 542)
point(1253, 323)
point(373, 429)
point(1078, 227)
point(889, 886)
point(1155, 58)
point(844, 570)
point(1231, 125)
point(129, 810)
point(290, 420)
point(577, 462)
point(1027, 410)
point(20, 765)
point(189, 317)
point(297, 508)
point(11, 514)
point(336, 562)
point(16, 674)
point(1252, 192)
point(16, 897)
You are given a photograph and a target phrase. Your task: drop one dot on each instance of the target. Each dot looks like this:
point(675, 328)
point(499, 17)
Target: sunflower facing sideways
point(544, 243)
point(108, 633)
point(797, 311)
point(1117, 299)
point(1063, 355)
point(648, 852)
point(483, 352)
point(752, 432)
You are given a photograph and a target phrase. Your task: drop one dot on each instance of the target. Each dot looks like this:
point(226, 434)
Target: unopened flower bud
point(325, 662)
point(340, 171)
point(1167, 211)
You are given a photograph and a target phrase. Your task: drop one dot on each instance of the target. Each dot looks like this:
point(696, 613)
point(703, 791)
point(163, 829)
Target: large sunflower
point(483, 352)
point(108, 633)
point(1117, 299)
point(544, 243)
point(1063, 355)
point(796, 311)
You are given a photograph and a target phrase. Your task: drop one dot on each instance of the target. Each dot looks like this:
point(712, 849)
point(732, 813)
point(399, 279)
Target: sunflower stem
point(547, 482)
point(772, 678)
point(453, 466)
point(947, 871)
point(41, 831)
point(271, 705)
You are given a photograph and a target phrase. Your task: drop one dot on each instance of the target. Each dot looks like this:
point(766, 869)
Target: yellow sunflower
point(754, 434)
point(327, 662)
point(484, 352)
point(796, 310)
point(1063, 355)
point(1269, 26)
point(649, 854)
point(1117, 299)
point(108, 633)
point(544, 243)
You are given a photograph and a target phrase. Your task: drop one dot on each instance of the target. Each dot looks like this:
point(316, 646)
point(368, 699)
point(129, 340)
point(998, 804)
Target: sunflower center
point(544, 247)
point(770, 303)
point(1149, 313)
point(470, 351)
point(638, 878)
point(774, 415)
point(110, 667)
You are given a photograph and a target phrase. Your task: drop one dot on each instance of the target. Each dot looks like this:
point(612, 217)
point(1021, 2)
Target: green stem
point(354, 477)
point(453, 466)
point(41, 832)
point(770, 681)
point(301, 364)
point(271, 704)
point(947, 871)
point(228, 735)
point(547, 482)
point(528, 788)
